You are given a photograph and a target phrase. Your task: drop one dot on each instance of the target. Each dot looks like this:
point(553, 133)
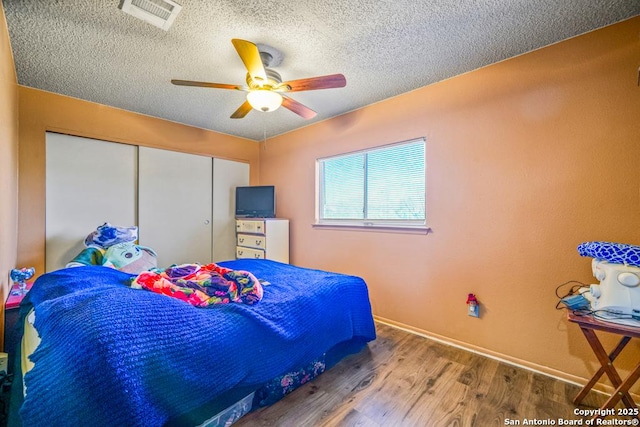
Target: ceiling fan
point(265, 88)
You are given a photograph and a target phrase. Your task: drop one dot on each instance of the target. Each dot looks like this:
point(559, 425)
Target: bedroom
point(527, 158)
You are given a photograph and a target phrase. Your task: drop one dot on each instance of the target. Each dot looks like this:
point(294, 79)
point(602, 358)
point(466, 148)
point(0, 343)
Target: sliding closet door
point(174, 205)
point(88, 183)
point(227, 175)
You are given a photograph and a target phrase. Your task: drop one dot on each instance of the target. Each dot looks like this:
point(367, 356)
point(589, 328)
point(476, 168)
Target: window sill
point(406, 229)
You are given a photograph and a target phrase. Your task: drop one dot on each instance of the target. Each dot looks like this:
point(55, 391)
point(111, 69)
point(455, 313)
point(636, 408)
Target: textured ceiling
point(90, 49)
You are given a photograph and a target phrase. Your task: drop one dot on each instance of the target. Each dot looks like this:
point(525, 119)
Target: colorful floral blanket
point(202, 285)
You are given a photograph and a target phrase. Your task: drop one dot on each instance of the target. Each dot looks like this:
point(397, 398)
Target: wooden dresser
point(263, 238)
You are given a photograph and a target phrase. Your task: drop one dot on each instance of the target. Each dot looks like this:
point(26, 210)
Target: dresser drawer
point(250, 226)
point(251, 241)
point(242, 252)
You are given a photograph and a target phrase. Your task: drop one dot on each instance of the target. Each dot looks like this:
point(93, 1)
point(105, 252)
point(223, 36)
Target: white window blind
point(344, 187)
point(382, 186)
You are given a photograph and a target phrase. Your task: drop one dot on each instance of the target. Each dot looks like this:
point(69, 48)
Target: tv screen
point(256, 201)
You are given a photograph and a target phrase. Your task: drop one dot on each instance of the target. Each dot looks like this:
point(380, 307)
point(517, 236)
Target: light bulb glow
point(264, 100)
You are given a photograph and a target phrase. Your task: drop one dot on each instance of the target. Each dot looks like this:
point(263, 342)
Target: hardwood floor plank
point(405, 380)
point(412, 385)
point(353, 419)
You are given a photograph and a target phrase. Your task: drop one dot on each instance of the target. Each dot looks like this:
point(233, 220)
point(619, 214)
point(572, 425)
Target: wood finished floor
point(406, 380)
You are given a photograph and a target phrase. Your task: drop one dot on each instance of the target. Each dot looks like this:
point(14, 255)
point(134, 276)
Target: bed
point(113, 355)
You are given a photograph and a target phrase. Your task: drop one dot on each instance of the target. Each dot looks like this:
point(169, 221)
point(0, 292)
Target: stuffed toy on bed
point(115, 247)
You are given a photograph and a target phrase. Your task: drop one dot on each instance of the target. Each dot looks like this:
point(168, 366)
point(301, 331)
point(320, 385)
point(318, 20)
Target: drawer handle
point(256, 256)
point(241, 239)
point(240, 253)
point(258, 242)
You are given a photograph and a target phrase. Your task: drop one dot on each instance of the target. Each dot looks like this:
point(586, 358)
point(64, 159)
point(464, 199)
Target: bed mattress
point(89, 322)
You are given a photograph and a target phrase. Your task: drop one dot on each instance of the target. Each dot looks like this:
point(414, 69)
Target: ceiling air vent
point(160, 13)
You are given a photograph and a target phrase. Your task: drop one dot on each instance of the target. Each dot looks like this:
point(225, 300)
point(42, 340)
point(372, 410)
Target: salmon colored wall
point(526, 159)
point(8, 163)
point(42, 111)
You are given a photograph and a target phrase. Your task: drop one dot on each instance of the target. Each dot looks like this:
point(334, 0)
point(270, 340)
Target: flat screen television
point(258, 201)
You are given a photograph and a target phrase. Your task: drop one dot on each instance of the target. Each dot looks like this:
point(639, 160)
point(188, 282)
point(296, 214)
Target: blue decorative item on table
point(617, 267)
point(615, 253)
point(20, 277)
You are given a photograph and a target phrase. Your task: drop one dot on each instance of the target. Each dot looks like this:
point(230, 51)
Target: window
point(383, 186)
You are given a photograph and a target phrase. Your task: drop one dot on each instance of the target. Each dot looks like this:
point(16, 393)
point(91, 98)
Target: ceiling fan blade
point(314, 83)
point(293, 105)
point(250, 56)
point(242, 111)
point(205, 84)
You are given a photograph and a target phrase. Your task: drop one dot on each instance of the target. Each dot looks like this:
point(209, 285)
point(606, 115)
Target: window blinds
point(382, 184)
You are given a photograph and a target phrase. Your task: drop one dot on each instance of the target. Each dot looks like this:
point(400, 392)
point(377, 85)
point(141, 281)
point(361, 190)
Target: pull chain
point(264, 134)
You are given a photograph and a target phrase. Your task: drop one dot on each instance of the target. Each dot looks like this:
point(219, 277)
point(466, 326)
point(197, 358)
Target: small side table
point(588, 324)
point(11, 316)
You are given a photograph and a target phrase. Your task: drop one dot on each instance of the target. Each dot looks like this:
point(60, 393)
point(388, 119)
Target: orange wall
point(8, 162)
point(526, 159)
point(42, 111)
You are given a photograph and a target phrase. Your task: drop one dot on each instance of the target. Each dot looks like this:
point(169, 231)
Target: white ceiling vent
point(160, 13)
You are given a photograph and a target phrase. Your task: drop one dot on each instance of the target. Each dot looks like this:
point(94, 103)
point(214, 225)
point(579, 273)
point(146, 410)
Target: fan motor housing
point(273, 80)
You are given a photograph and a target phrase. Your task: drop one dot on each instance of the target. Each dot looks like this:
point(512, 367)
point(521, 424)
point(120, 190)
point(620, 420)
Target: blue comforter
point(111, 355)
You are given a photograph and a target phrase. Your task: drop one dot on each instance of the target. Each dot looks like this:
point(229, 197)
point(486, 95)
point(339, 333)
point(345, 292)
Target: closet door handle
point(207, 222)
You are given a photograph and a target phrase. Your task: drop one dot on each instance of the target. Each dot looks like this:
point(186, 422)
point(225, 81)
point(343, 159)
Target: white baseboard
point(524, 364)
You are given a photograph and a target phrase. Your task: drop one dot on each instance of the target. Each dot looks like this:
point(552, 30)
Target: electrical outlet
point(4, 362)
point(474, 310)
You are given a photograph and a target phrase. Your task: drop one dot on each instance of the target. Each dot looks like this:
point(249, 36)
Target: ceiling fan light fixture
point(264, 85)
point(264, 100)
